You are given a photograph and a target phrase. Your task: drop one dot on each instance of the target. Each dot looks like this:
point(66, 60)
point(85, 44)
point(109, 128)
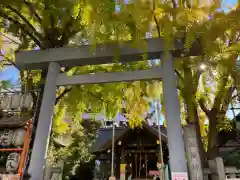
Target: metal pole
point(44, 126)
point(159, 129)
point(113, 144)
point(157, 107)
point(172, 114)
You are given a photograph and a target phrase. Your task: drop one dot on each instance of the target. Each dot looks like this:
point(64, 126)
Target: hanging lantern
point(9, 177)
point(27, 101)
point(13, 160)
point(5, 101)
point(6, 138)
point(18, 137)
point(15, 101)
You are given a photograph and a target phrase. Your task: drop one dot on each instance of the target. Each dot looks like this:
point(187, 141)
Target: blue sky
point(227, 3)
point(12, 74)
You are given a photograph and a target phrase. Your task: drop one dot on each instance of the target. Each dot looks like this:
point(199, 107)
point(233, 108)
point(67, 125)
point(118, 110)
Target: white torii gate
point(54, 59)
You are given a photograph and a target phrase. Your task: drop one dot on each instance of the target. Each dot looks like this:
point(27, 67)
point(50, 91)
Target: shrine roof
point(105, 136)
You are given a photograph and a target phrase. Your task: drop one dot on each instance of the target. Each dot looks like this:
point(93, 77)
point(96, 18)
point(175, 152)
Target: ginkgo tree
point(42, 24)
point(32, 25)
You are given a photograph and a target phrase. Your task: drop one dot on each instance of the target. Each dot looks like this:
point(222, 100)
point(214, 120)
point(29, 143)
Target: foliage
point(77, 154)
point(234, 158)
point(49, 24)
point(5, 84)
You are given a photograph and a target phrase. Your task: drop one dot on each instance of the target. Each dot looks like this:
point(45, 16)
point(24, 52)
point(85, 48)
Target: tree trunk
point(188, 92)
point(212, 150)
point(199, 137)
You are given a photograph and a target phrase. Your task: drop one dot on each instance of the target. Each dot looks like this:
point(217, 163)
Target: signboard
point(179, 176)
point(153, 173)
point(122, 171)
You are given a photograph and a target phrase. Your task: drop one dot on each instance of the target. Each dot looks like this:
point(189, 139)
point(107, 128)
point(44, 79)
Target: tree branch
point(218, 97)
point(33, 11)
point(174, 4)
point(7, 60)
point(65, 91)
point(203, 106)
point(25, 20)
point(155, 20)
point(12, 40)
point(230, 41)
point(179, 75)
point(227, 100)
point(235, 96)
point(196, 79)
point(21, 26)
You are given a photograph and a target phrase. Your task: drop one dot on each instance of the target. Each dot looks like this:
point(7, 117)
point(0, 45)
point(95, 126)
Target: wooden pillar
point(136, 166)
point(122, 165)
point(159, 155)
point(123, 156)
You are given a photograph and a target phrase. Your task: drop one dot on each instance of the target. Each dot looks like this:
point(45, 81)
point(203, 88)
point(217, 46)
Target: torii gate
point(54, 59)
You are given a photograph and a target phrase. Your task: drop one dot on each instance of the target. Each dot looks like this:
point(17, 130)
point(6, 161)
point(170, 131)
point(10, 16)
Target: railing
point(231, 173)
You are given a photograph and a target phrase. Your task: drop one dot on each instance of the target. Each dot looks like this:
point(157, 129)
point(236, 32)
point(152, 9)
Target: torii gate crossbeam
point(54, 59)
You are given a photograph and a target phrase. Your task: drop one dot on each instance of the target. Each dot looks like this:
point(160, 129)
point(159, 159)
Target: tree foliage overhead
point(34, 24)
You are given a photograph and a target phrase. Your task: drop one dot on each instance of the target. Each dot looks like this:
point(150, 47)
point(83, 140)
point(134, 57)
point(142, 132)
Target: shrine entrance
point(140, 155)
point(53, 59)
point(141, 164)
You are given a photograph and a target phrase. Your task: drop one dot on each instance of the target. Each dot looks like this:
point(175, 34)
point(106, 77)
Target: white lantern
point(27, 101)
point(9, 177)
point(15, 101)
point(13, 161)
point(5, 101)
point(18, 137)
point(6, 138)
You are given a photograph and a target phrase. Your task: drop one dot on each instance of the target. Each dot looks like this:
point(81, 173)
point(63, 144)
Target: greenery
point(5, 84)
point(234, 159)
point(76, 157)
point(204, 93)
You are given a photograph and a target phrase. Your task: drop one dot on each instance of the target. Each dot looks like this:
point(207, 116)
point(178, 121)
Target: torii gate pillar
point(44, 126)
point(172, 114)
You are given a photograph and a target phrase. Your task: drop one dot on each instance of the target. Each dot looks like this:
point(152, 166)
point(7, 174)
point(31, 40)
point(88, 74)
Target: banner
point(122, 171)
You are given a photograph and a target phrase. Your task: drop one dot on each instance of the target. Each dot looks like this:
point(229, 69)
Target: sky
point(12, 74)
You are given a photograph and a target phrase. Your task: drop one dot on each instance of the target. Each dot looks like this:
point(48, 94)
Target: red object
point(153, 173)
point(11, 149)
point(25, 148)
point(24, 152)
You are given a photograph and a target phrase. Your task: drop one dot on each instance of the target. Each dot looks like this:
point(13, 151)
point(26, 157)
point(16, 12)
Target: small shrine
point(16, 121)
point(137, 151)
